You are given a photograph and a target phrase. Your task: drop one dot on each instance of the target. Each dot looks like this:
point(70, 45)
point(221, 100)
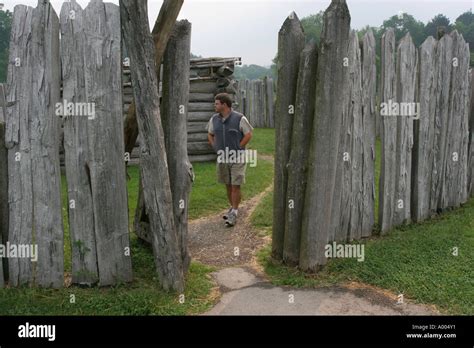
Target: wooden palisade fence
point(89, 52)
point(255, 100)
point(325, 190)
point(32, 140)
point(94, 145)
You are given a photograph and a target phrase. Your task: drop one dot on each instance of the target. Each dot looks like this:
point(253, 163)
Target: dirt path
point(213, 243)
point(245, 288)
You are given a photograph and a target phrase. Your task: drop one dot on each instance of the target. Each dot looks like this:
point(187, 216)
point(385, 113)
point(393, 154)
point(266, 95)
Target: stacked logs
point(208, 77)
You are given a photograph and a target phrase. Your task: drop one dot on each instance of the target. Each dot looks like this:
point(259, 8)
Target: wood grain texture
point(369, 115)
point(297, 163)
point(153, 161)
point(91, 45)
point(291, 42)
point(325, 139)
point(175, 98)
point(387, 202)
point(32, 139)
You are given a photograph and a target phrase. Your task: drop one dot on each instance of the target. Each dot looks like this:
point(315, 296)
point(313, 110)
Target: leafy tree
point(405, 23)
point(312, 26)
point(431, 28)
point(5, 28)
point(465, 25)
point(252, 72)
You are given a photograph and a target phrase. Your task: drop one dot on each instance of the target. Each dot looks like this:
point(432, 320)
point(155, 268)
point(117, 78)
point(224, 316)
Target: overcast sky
point(249, 28)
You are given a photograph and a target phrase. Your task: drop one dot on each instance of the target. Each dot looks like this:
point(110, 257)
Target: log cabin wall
point(208, 77)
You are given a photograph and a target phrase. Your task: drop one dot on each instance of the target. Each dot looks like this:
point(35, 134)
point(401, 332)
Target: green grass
point(208, 197)
point(414, 260)
point(143, 296)
point(263, 141)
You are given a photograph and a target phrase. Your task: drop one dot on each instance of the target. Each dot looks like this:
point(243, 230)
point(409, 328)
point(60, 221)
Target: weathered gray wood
point(369, 94)
point(203, 86)
point(3, 188)
point(164, 24)
point(471, 137)
point(406, 82)
point(225, 71)
point(201, 97)
point(352, 204)
point(197, 137)
point(455, 176)
point(47, 209)
point(3, 105)
point(176, 95)
point(424, 135)
point(269, 102)
point(387, 202)
point(96, 174)
point(444, 56)
point(153, 161)
point(199, 148)
point(200, 116)
point(18, 143)
point(291, 41)
point(4, 195)
point(196, 127)
point(297, 163)
point(80, 204)
point(32, 138)
point(197, 107)
point(326, 134)
point(339, 227)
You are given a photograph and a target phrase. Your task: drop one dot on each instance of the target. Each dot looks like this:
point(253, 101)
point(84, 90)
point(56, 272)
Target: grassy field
point(416, 260)
point(143, 296)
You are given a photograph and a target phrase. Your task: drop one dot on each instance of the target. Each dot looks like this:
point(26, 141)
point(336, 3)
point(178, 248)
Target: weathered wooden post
point(94, 145)
point(269, 101)
point(424, 135)
point(164, 24)
point(297, 163)
point(153, 161)
point(3, 185)
point(369, 81)
point(291, 42)
point(324, 154)
point(455, 187)
point(175, 103)
point(406, 82)
point(387, 202)
point(471, 137)
point(347, 224)
point(32, 139)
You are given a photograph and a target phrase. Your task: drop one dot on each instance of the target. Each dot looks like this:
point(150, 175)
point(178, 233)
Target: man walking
point(228, 133)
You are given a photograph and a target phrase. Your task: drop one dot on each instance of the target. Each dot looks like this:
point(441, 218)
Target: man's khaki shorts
point(231, 173)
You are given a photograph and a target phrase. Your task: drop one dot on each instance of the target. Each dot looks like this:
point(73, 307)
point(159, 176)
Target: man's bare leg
point(229, 194)
point(235, 196)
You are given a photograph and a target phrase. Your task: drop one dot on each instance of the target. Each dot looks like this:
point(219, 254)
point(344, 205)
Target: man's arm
point(245, 139)
point(210, 138)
